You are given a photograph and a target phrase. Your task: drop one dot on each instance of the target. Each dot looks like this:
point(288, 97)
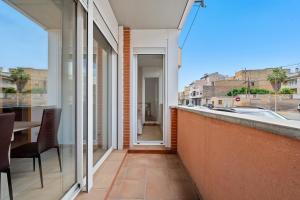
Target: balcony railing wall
point(229, 159)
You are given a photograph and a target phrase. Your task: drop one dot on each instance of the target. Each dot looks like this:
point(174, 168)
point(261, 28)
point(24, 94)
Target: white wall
point(54, 67)
point(162, 41)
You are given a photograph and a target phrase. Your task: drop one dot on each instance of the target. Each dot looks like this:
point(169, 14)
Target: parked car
point(255, 111)
point(190, 105)
point(298, 107)
point(202, 107)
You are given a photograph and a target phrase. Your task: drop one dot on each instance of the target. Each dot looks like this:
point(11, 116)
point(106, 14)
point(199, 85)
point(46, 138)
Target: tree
point(287, 91)
point(277, 77)
point(20, 77)
point(9, 90)
point(243, 90)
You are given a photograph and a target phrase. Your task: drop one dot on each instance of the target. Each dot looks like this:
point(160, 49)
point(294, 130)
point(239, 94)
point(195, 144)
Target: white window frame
point(148, 51)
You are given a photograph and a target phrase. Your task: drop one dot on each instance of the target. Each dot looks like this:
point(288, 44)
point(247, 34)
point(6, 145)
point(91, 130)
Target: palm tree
point(20, 77)
point(277, 77)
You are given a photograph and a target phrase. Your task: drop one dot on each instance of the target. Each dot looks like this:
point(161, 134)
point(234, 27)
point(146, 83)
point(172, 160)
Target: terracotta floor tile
point(174, 164)
point(109, 167)
point(178, 174)
point(133, 189)
point(156, 192)
point(153, 177)
point(95, 194)
point(156, 173)
point(135, 173)
point(183, 190)
point(116, 156)
point(103, 180)
point(114, 193)
point(122, 173)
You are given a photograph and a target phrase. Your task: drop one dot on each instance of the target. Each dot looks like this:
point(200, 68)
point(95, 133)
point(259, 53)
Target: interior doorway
point(151, 100)
point(150, 90)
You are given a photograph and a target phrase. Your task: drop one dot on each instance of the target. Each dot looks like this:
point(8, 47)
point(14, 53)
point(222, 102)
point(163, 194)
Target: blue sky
point(23, 43)
point(229, 35)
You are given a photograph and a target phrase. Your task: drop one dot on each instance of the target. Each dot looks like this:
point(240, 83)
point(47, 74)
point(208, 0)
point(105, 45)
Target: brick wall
point(126, 83)
point(230, 161)
point(174, 129)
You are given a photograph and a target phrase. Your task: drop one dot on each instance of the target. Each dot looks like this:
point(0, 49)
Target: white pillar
point(54, 67)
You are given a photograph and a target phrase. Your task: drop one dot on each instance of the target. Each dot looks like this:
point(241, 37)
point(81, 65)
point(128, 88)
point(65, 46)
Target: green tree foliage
point(277, 77)
point(38, 91)
point(243, 90)
point(20, 77)
point(287, 91)
point(9, 90)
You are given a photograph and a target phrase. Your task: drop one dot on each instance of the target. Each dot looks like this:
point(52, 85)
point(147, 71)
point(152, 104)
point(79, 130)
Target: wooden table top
point(24, 125)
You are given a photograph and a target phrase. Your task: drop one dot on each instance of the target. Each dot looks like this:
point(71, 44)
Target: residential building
point(195, 89)
point(210, 78)
point(255, 78)
point(293, 81)
point(5, 80)
point(220, 88)
point(38, 79)
point(196, 92)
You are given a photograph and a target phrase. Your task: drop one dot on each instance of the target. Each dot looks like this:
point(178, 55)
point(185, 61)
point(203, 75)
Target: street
point(290, 114)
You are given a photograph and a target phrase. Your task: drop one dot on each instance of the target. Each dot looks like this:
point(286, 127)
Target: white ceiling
point(46, 13)
point(149, 14)
point(150, 61)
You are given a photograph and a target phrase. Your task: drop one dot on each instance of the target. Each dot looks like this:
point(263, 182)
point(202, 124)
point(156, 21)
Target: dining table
point(25, 125)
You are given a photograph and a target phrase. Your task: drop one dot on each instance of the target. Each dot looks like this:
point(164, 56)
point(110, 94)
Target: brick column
point(126, 83)
point(174, 129)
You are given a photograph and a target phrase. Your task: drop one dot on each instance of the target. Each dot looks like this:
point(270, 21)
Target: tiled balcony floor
point(153, 177)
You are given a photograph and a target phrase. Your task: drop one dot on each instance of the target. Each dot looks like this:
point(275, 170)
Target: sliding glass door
point(150, 98)
point(102, 96)
point(38, 73)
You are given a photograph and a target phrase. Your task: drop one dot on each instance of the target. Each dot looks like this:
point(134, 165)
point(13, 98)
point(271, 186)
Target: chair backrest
point(47, 137)
point(6, 131)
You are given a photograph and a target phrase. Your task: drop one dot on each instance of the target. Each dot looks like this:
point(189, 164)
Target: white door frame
point(134, 81)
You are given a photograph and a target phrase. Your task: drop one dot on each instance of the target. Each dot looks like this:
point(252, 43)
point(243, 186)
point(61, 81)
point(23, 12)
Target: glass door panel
point(44, 41)
point(101, 76)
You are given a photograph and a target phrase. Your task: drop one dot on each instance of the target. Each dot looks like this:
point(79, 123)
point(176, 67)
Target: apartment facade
point(196, 89)
point(293, 81)
point(112, 73)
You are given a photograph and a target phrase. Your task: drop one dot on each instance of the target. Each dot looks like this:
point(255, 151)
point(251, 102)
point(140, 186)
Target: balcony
point(219, 156)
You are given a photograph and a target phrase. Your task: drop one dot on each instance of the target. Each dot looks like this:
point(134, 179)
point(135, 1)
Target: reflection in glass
point(39, 73)
point(101, 74)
